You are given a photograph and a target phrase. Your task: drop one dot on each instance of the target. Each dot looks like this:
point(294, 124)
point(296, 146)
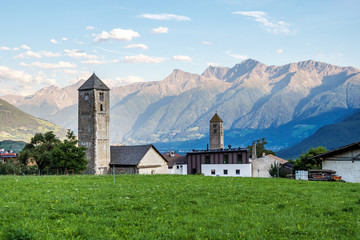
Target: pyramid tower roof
point(216, 118)
point(93, 83)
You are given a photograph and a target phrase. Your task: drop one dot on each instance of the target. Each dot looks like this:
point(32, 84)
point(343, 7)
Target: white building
point(261, 166)
point(226, 170)
point(344, 160)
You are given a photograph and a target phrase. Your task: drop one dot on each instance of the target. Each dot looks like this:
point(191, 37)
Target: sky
point(44, 43)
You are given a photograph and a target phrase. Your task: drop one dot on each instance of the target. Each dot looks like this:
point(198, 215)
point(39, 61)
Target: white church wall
point(226, 170)
point(152, 163)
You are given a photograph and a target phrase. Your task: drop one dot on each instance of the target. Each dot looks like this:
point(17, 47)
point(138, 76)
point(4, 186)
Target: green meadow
point(176, 207)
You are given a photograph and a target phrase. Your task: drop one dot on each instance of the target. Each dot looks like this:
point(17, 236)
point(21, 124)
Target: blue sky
point(47, 43)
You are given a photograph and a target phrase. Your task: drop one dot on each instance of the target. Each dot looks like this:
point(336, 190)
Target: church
point(94, 134)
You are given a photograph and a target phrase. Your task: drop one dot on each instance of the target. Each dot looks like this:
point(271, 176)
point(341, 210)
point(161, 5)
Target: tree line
point(45, 153)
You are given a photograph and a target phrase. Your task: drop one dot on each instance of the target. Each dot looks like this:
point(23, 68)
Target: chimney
point(253, 150)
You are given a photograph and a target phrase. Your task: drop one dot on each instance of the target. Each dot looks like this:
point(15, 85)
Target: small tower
point(94, 120)
point(216, 132)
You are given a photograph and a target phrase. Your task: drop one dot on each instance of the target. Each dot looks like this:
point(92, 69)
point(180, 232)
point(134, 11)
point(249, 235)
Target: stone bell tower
point(94, 121)
point(216, 132)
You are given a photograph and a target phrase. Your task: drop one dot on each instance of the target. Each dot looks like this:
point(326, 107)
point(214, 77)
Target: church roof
point(93, 83)
point(216, 118)
point(129, 155)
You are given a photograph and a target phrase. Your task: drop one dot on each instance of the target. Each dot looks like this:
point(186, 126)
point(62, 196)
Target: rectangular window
point(239, 158)
point(225, 172)
point(101, 96)
point(226, 159)
point(237, 171)
point(212, 171)
point(207, 159)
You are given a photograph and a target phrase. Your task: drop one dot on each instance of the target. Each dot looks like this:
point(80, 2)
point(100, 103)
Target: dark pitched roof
point(216, 118)
point(355, 145)
point(93, 83)
point(129, 155)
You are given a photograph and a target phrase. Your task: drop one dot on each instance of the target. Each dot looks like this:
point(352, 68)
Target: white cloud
point(139, 45)
point(64, 39)
point(122, 81)
point(70, 71)
point(160, 30)
point(8, 74)
point(143, 59)
point(31, 54)
point(28, 54)
point(50, 54)
point(90, 28)
point(97, 62)
point(165, 16)
point(206, 43)
point(117, 34)
point(15, 48)
point(237, 56)
point(53, 41)
point(182, 58)
point(58, 65)
point(213, 64)
point(279, 50)
point(76, 53)
point(271, 25)
point(25, 47)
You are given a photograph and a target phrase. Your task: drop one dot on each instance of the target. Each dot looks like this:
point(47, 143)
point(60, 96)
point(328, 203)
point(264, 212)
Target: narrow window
point(101, 96)
point(225, 172)
point(237, 172)
point(212, 171)
point(239, 158)
point(101, 108)
point(86, 96)
point(226, 159)
point(207, 159)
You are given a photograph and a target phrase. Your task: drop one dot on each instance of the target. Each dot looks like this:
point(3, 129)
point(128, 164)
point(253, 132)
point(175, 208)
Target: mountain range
point(283, 103)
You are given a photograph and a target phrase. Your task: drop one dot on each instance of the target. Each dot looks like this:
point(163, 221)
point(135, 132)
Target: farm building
point(218, 161)
point(177, 163)
point(261, 166)
point(142, 159)
point(344, 160)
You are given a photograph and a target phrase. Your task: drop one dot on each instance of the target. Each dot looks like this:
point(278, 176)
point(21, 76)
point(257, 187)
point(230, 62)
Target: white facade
point(178, 168)
point(152, 163)
point(343, 165)
point(230, 170)
point(261, 166)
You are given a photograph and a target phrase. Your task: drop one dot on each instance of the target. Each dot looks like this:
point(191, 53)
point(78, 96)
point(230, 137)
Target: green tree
point(68, 156)
point(39, 150)
point(260, 148)
point(304, 162)
point(276, 169)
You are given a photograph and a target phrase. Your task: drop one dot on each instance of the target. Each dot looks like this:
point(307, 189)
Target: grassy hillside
point(331, 136)
point(176, 207)
point(18, 125)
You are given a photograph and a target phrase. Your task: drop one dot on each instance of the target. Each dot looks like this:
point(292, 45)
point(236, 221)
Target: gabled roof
point(93, 83)
point(216, 118)
point(129, 155)
point(280, 160)
point(355, 145)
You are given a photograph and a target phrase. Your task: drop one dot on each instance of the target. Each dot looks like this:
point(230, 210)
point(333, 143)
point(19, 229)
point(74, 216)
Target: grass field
point(176, 207)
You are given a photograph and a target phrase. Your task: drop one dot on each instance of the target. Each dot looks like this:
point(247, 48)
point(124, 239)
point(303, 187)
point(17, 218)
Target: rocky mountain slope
point(18, 125)
point(250, 96)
